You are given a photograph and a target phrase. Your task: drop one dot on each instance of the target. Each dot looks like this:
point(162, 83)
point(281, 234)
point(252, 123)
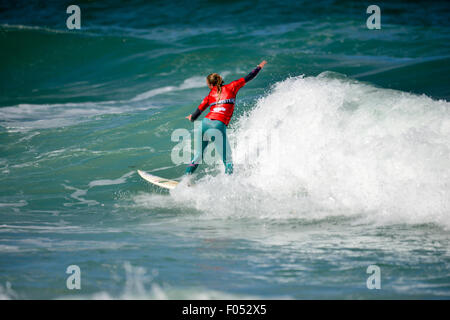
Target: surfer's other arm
point(192, 117)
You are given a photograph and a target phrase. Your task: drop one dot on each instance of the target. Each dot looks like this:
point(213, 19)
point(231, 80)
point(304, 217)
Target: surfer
point(221, 99)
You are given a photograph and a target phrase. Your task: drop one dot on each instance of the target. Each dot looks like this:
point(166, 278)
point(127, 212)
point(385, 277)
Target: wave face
point(326, 145)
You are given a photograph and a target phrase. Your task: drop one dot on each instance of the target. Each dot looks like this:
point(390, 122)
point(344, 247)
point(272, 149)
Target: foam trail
point(24, 117)
point(190, 83)
point(7, 293)
point(108, 182)
point(77, 195)
point(141, 284)
point(345, 148)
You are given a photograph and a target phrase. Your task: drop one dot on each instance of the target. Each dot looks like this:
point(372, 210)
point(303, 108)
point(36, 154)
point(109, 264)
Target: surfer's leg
point(227, 160)
point(200, 146)
point(223, 147)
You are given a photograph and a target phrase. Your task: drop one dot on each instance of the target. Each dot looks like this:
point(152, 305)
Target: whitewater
point(330, 146)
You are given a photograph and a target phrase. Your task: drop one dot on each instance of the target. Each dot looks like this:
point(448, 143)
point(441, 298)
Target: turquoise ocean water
point(363, 177)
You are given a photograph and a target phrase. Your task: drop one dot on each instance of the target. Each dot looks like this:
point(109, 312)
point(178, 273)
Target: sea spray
point(342, 148)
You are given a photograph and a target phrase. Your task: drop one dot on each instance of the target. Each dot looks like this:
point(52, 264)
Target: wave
point(344, 148)
point(24, 117)
point(140, 284)
point(7, 293)
point(190, 83)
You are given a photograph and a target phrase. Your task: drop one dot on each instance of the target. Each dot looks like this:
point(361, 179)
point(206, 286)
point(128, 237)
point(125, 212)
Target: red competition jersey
point(222, 110)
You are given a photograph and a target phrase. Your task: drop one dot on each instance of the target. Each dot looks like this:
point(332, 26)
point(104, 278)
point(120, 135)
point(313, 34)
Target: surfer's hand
point(262, 64)
point(189, 117)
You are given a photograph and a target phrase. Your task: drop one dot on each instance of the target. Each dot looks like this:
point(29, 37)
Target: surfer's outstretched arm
point(254, 72)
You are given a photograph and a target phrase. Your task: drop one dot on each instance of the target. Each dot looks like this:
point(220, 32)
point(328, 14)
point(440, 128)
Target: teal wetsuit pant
point(216, 131)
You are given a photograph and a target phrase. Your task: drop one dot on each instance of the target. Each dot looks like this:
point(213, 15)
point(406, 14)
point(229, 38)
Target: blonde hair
point(216, 80)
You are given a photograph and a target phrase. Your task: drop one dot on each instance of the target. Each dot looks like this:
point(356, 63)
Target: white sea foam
point(6, 248)
point(7, 292)
point(141, 284)
point(77, 195)
point(21, 203)
point(346, 148)
point(108, 182)
point(24, 117)
point(189, 83)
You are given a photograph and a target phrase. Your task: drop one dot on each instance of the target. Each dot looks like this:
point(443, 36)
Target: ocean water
point(358, 174)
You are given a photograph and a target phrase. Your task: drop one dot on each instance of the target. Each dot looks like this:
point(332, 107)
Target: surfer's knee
point(191, 168)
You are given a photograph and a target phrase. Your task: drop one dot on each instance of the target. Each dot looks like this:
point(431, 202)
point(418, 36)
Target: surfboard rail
point(158, 181)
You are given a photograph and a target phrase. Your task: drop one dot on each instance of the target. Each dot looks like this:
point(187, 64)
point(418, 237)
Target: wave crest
point(345, 148)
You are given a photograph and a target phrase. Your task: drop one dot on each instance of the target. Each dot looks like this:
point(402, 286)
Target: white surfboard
point(160, 182)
